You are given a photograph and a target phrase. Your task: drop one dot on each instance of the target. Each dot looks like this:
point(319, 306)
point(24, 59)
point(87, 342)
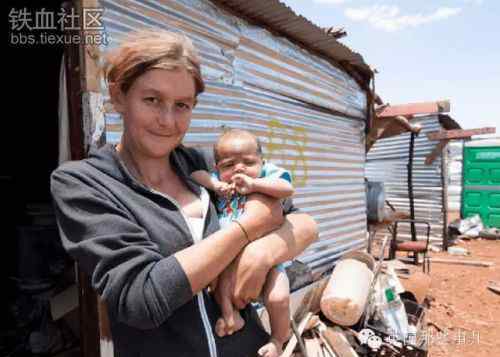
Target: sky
point(424, 50)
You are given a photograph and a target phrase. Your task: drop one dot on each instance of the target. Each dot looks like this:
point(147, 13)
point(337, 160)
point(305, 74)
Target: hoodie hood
point(107, 160)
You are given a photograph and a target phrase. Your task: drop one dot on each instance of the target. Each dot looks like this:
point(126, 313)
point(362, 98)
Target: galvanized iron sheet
point(455, 158)
point(387, 162)
point(282, 19)
point(308, 114)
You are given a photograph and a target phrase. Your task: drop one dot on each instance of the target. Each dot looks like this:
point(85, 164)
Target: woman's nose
point(166, 116)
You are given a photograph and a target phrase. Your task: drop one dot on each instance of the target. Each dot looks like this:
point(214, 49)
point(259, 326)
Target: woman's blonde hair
point(143, 50)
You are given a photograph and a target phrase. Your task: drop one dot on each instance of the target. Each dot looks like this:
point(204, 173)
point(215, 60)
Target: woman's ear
point(117, 97)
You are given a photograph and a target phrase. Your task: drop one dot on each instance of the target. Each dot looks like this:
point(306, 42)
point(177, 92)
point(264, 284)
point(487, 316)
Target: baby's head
point(238, 151)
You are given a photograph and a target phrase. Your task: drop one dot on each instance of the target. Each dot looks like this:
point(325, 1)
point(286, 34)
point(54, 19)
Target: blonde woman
point(147, 234)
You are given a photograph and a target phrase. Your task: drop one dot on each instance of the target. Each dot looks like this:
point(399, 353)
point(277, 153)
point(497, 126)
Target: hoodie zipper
point(201, 302)
point(199, 297)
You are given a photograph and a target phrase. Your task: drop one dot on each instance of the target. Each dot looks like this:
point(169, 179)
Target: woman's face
point(156, 111)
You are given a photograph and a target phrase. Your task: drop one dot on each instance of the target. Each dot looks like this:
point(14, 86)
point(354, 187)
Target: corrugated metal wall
point(284, 95)
point(454, 162)
point(387, 162)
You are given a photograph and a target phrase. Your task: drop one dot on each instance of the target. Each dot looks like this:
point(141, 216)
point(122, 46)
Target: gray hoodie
point(123, 235)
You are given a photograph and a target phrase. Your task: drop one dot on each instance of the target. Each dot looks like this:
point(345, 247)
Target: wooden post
point(74, 88)
point(438, 149)
point(444, 181)
point(410, 185)
point(89, 318)
point(75, 81)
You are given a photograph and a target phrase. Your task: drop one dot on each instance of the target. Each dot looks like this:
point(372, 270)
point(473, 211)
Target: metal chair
point(414, 246)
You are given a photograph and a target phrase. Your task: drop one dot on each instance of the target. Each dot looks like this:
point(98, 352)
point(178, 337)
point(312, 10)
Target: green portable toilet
point(481, 180)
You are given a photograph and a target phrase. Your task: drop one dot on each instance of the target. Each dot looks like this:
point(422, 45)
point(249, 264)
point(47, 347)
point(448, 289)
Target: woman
point(130, 215)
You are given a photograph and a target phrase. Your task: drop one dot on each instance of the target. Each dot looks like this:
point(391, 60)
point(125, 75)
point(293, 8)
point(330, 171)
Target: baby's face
point(238, 155)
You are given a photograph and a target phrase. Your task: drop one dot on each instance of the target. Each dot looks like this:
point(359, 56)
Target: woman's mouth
point(163, 135)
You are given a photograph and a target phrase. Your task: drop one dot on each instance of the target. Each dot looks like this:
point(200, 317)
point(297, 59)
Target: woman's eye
point(151, 100)
point(183, 106)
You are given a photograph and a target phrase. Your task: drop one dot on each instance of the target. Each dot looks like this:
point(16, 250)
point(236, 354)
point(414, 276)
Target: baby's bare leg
point(231, 320)
point(276, 294)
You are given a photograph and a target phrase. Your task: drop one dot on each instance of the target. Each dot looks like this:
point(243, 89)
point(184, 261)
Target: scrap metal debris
point(377, 322)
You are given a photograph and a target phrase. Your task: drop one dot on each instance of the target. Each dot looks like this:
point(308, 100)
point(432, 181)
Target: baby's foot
point(271, 349)
point(224, 328)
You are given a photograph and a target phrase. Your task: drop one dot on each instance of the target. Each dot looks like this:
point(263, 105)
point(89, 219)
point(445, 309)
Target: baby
point(240, 172)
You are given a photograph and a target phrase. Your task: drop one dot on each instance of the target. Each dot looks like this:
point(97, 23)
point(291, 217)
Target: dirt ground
point(464, 318)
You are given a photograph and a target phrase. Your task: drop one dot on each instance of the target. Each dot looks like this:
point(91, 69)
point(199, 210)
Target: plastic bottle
point(393, 310)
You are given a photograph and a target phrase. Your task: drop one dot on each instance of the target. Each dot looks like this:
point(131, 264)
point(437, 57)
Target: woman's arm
point(141, 286)
point(292, 238)
point(247, 274)
point(219, 249)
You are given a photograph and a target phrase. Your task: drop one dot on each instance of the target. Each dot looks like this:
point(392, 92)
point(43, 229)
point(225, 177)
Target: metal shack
point(276, 74)
point(387, 161)
point(454, 154)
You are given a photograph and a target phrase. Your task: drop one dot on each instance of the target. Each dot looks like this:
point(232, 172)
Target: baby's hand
point(243, 184)
point(224, 189)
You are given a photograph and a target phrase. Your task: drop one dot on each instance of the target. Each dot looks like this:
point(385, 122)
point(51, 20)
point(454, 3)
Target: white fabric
point(197, 224)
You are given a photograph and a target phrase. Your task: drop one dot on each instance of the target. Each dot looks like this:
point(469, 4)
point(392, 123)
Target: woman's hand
point(248, 272)
point(244, 278)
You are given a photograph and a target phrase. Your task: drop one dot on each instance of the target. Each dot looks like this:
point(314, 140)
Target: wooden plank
point(87, 298)
point(89, 317)
point(415, 108)
point(293, 341)
point(387, 127)
point(313, 347)
point(436, 151)
point(475, 263)
point(105, 337)
point(338, 343)
point(74, 97)
point(459, 133)
point(326, 345)
point(82, 72)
